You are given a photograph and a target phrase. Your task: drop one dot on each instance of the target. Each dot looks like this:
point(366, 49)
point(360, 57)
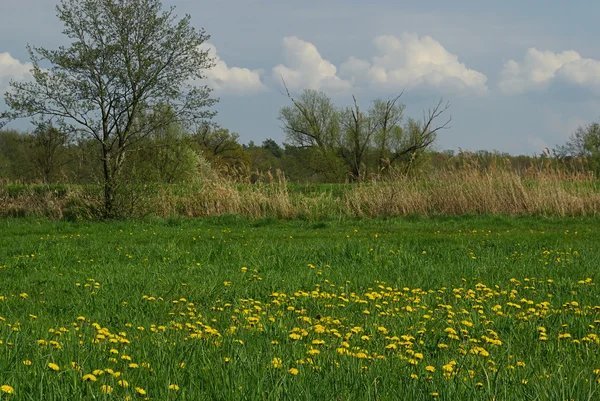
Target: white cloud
point(410, 61)
point(540, 69)
point(305, 68)
point(232, 80)
point(11, 68)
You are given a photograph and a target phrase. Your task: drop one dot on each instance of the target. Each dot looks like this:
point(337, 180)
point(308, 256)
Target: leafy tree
point(272, 147)
point(221, 147)
point(584, 142)
point(166, 155)
point(48, 148)
point(312, 121)
point(125, 57)
point(15, 165)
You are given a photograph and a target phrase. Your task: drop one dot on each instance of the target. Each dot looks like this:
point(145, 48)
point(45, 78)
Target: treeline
point(46, 155)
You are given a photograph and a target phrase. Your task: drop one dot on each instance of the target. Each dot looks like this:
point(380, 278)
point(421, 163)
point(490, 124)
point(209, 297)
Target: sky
point(519, 76)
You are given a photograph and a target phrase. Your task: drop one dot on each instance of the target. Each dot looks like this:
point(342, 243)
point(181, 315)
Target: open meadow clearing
point(227, 308)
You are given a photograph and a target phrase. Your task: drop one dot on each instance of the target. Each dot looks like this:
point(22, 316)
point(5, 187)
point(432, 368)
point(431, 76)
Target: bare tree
point(357, 134)
point(418, 136)
point(389, 115)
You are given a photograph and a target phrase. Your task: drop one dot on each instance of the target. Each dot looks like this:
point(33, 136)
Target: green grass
point(167, 292)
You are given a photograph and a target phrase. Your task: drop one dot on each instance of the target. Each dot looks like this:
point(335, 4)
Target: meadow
point(438, 308)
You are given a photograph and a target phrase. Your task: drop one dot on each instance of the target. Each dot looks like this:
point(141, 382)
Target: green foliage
point(584, 143)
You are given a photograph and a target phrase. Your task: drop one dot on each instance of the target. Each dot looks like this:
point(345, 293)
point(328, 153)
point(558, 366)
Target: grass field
point(455, 308)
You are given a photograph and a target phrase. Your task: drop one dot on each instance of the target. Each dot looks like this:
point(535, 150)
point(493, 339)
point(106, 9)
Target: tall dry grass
point(467, 189)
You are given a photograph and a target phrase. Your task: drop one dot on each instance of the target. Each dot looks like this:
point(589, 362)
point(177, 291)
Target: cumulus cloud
point(232, 80)
point(540, 69)
point(305, 68)
point(410, 61)
point(12, 69)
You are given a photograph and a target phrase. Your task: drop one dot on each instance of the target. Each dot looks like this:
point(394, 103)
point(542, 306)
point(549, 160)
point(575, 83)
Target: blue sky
point(520, 76)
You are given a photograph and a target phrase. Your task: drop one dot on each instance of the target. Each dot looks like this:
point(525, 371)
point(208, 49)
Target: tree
point(358, 130)
point(221, 147)
point(127, 57)
point(48, 150)
point(584, 142)
point(314, 122)
point(389, 115)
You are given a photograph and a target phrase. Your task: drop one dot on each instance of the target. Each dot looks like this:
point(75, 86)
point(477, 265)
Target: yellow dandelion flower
point(430, 368)
point(173, 387)
point(140, 391)
point(123, 383)
point(53, 366)
point(6, 389)
point(27, 362)
point(89, 378)
point(277, 363)
point(106, 389)
point(293, 371)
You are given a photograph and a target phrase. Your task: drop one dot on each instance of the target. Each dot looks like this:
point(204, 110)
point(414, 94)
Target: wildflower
point(88, 378)
point(53, 366)
point(133, 366)
point(140, 391)
point(27, 362)
point(173, 387)
point(123, 383)
point(414, 376)
point(277, 363)
point(6, 389)
point(430, 368)
point(106, 389)
point(293, 371)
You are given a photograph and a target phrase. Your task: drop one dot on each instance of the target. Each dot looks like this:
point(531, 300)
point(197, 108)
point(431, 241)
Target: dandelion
point(140, 391)
point(123, 383)
point(293, 371)
point(106, 389)
point(53, 366)
point(89, 378)
point(173, 387)
point(430, 368)
point(277, 363)
point(6, 389)
point(27, 362)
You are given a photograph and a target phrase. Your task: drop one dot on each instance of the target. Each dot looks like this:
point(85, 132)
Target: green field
point(225, 308)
